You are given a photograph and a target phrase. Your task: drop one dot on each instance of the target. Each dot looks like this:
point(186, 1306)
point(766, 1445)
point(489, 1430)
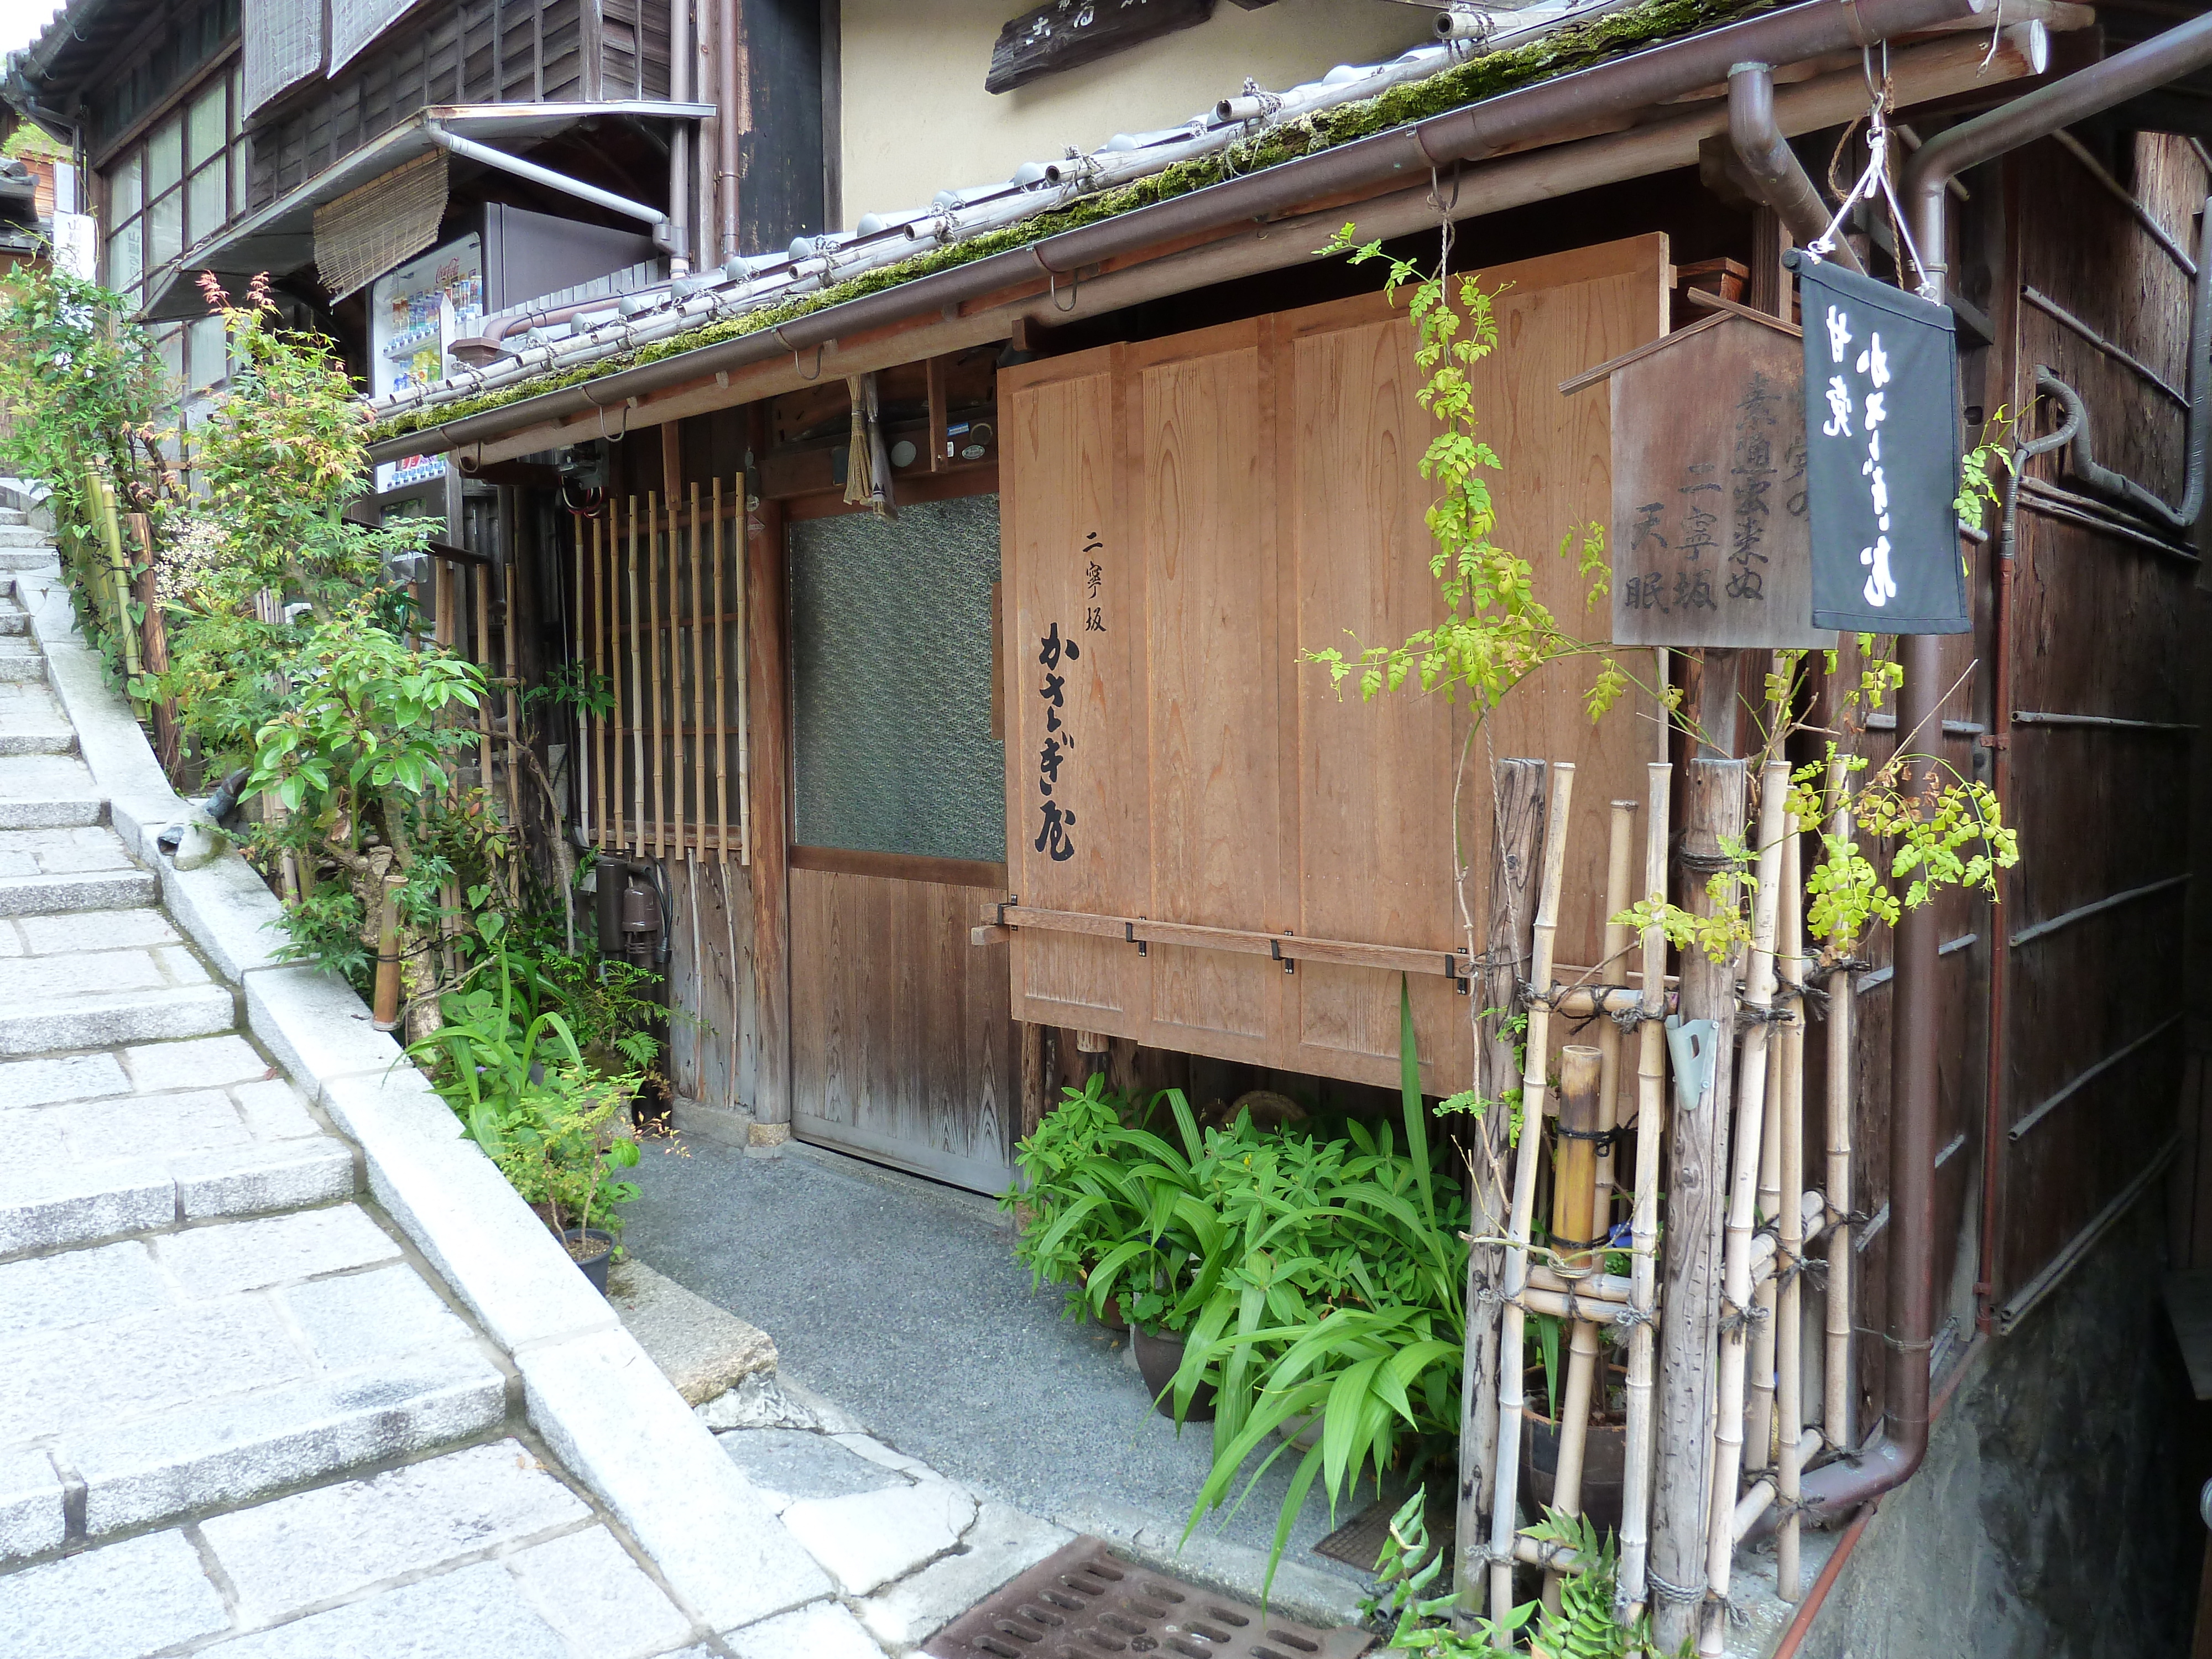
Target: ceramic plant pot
point(1605, 1460)
point(591, 1250)
point(1159, 1354)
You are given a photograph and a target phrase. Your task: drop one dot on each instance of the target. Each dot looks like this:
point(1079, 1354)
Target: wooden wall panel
point(902, 1047)
point(1266, 498)
point(710, 973)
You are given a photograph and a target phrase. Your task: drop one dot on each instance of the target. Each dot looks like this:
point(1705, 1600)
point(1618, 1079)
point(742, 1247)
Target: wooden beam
point(1053, 37)
point(768, 831)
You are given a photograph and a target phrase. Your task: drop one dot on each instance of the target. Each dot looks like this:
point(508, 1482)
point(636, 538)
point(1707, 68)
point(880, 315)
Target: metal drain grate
point(1085, 1602)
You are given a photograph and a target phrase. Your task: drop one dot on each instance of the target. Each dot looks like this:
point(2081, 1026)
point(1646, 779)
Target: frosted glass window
point(206, 195)
point(164, 157)
point(204, 355)
point(165, 229)
point(203, 126)
point(890, 635)
point(123, 194)
point(123, 263)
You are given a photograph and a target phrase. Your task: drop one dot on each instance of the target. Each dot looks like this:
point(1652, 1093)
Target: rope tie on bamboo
point(1749, 1016)
point(1710, 864)
point(1681, 1595)
point(1838, 965)
point(1735, 1318)
point(1631, 1315)
point(1631, 1018)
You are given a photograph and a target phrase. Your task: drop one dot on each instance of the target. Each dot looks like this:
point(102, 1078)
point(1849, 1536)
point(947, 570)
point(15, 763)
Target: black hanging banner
point(1881, 434)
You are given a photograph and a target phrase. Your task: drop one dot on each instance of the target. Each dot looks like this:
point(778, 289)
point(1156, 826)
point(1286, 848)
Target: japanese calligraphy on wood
point(1063, 35)
point(1189, 514)
point(1709, 540)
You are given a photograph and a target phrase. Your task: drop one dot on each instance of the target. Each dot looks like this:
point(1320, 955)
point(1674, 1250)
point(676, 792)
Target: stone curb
point(600, 1403)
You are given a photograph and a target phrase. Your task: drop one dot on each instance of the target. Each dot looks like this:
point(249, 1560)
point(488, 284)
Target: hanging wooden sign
point(1064, 34)
point(1881, 425)
point(1710, 543)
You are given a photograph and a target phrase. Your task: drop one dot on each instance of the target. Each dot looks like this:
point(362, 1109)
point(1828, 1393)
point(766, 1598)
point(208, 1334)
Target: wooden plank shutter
point(1190, 514)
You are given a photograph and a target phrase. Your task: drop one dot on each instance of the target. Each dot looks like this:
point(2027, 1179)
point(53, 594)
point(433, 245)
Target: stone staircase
point(198, 1312)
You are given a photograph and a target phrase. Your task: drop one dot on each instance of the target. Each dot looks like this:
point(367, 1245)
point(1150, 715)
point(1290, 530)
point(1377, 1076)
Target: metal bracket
point(1275, 950)
point(1693, 1045)
point(1010, 901)
point(1129, 934)
point(1994, 740)
point(1462, 983)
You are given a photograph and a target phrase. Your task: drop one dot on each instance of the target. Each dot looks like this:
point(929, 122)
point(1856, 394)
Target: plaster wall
point(2056, 1516)
point(916, 120)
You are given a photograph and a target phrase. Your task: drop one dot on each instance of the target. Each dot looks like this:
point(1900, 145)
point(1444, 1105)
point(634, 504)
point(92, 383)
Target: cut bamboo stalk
point(1737, 1304)
point(1790, 1254)
point(1574, 1209)
point(1511, 1387)
point(1608, 999)
point(637, 687)
point(599, 662)
point(721, 704)
point(1621, 848)
point(658, 784)
point(1759, 1496)
point(698, 819)
point(1836, 1409)
point(1643, 1223)
point(580, 743)
point(1758, 1448)
point(511, 671)
point(384, 1015)
point(485, 770)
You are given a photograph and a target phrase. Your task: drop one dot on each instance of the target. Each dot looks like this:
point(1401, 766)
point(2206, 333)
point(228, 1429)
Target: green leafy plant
point(1409, 1564)
point(1079, 1189)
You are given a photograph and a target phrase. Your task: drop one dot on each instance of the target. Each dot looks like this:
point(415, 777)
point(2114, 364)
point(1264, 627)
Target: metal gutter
point(1407, 156)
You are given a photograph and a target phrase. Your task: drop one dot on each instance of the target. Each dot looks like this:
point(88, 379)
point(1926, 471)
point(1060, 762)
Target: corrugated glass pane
point(890, 636)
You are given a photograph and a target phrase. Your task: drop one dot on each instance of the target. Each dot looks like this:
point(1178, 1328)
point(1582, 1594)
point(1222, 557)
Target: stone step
point(14, 515)
point(137, 1136)
point(43, 559)
point(16, 623)
point(85, 999)
point(214, 1364)
point(20, 660)
point(24, 535)
point(84, 868)
point(39, 792)
point(31, 721)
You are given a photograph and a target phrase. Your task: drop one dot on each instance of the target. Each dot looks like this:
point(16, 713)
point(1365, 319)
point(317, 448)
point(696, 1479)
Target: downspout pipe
point(682, 62)
point(470, 149)
point(1773, 168)
point(730, 75)
point(1892, 1458)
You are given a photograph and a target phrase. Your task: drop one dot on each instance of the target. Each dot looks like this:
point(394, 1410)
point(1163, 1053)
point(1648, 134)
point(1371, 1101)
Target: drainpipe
point(680, 56)
point(730, 70)
point(472, 151)
point(1891, 1460)
point(1778, 176)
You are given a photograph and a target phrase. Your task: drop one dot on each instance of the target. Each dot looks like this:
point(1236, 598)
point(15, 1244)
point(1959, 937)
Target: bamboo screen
point(661, 604)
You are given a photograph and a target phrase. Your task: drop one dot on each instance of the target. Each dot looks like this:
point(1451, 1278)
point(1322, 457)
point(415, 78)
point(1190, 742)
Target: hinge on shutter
point(1129, 932)
point(1275, 948)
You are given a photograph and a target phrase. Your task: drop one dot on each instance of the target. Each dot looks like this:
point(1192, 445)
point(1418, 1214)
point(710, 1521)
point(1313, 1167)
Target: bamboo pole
point(1836, 1409)
point(579, 747)
point(484, 770)
point(385, 1014)
point(511, 673)
point(698, 688)
point(1789, 1253)
point(671, 776)
point(658, 785)
point(1620, 848)
point(721, 704)
point(637, 684)
point(600, 669)
point(1512, 1396)
point(1681, 1481)
point(1516, 850)
point(1574, 1210)
point(1737, 1314)
point(1643, 1225)
point(1759, 1449)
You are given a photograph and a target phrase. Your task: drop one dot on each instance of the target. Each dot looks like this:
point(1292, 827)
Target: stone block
point(121, 1369)
point(869, 1539)
point(108, 735)
point(1002, 1544)
point(475, 1613)
point(821, 1631)
point(81, 1287)
point(29, 980)
point(46, 1080)
point(397, 1108)
point(230, 1451)
point(284, 1176)
point(704, 1349)
point(338, 1539)
point(156, 1126)
point(762, 1401)
point(587, 1587)
point(201, 1063)
point(74, 1204)
point(484, 1241)
point(788, 1464)
point(228, 911)
point(100, 930)
point(314, 1025)
point(100, 1021)
point(235, 1256)
point(32, 1518)
point(274, 1111)
point(140, 819)
point(51, 894)
point(140, 1596)
point(362, 1321)
point(614, 1422)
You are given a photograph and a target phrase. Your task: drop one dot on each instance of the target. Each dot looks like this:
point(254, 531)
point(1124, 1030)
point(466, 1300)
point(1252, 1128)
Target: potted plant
point(1076, 1199)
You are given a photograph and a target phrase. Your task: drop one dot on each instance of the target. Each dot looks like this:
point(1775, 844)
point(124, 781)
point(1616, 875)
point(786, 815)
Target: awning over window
point(280, 238)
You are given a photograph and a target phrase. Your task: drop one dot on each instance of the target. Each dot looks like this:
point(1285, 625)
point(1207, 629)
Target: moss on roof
point(1575, 45)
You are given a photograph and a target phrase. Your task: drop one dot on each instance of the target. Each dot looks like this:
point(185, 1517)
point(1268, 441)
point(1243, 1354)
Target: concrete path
point(246, 1416)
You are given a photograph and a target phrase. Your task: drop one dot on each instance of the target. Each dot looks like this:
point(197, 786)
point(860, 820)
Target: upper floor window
point(178, 184)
